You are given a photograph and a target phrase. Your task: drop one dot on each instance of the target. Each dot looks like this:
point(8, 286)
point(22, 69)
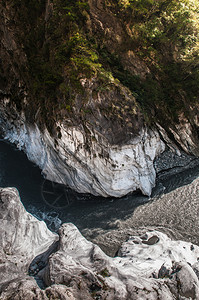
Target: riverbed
point(173, 207)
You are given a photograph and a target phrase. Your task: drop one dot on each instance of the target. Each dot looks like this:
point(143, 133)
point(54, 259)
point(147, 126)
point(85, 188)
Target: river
point(173, 207)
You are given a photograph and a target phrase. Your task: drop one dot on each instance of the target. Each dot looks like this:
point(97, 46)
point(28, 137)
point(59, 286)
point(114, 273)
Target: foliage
point(84, 59)
point(164, 35)
point(72, 51)
point(61, 51)
point(57, 51)
point(170, 23)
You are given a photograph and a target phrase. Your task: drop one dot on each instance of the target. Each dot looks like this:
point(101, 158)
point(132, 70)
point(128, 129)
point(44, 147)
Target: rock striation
point(86, 161)
point(94, 110)
point(22, 236)
point(149, 266)
point(100, 169)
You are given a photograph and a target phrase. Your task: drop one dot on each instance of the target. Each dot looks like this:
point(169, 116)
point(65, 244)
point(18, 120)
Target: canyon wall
point(85, 102)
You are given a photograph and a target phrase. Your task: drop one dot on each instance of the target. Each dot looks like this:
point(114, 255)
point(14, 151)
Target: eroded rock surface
point(90, 132)
point(149, 266)
point(22, 236)
point(100, 169)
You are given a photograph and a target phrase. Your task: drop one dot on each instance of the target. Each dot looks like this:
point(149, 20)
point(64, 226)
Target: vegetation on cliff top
point(164, 34)
point(62, 48)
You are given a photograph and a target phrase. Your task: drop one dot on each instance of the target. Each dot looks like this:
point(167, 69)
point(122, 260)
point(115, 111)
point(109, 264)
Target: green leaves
point(172, 22)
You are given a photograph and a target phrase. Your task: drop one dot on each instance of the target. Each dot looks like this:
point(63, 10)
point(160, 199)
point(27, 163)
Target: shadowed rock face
point(97, 141)
point(147, 266)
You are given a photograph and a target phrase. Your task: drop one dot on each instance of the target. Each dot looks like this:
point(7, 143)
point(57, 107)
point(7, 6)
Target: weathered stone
point(102, 170)
point(22, 236)
point(79, 269)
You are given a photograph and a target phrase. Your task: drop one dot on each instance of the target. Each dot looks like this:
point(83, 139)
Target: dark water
point(52, 202)
point(56, 204)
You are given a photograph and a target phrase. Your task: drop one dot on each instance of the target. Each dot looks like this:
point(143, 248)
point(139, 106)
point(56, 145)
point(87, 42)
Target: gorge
point(172, 213)
point(65, 102)
point(102, 96)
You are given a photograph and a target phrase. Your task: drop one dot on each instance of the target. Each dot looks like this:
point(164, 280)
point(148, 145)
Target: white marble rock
point(150, 266)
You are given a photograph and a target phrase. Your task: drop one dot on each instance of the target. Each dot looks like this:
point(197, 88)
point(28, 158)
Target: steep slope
point(93, 91)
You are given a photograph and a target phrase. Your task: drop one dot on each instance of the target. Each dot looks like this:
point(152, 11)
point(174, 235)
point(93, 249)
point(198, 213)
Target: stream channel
point(173, 207)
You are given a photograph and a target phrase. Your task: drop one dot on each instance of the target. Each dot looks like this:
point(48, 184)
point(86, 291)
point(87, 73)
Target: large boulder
point(149, 266)
point(23, 237)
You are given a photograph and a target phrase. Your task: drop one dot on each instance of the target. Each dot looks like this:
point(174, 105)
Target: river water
point(173, 207)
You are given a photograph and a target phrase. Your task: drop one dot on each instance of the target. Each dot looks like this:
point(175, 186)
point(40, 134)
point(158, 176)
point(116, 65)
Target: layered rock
point(22, 236)
point(88, 129)
point(100, 169)
point(86, 160)
point(149, 266)
point(146, 265)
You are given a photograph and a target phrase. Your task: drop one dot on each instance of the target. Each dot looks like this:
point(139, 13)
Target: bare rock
point(149, 266)
point(90, 272)
point(100, 169)
point(22, 236)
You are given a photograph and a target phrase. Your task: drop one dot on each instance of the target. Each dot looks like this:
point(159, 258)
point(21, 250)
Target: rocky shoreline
point(67, 266)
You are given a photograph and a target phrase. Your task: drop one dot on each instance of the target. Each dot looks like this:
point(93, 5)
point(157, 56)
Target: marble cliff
point(92, 96)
